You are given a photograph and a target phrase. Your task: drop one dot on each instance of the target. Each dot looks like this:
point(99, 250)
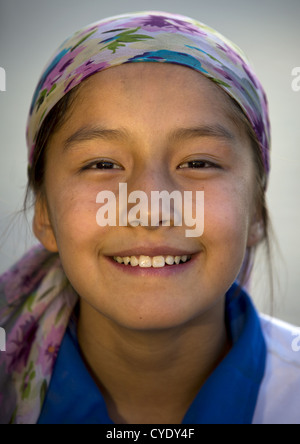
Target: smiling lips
point(148, 261)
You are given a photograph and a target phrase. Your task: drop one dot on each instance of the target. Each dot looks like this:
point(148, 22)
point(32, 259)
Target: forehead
point(168, 85)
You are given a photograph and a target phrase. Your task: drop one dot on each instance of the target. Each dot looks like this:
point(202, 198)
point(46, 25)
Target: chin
point(155, 319)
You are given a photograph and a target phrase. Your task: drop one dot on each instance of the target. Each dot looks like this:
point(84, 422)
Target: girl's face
point(149, 122)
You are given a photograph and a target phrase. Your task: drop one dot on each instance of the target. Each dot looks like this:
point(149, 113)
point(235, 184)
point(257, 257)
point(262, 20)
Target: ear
point(42, 226)
point(256, 231)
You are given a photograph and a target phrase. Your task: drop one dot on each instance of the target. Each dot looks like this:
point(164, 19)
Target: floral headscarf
point(36, 301)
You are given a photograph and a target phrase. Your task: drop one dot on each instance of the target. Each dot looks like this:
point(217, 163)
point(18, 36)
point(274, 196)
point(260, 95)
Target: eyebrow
point(94, 133)
point(217, 131)
point(88, 133)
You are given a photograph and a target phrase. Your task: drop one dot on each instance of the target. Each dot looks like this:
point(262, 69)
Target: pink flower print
point(49, 349)
point(19, 343)
point(83, 72)
point(59, 70)
point(157, 23)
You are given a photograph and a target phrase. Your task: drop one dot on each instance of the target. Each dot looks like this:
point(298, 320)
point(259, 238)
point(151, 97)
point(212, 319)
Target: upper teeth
point(147, 261)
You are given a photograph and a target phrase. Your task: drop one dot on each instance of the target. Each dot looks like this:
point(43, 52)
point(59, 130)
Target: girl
point(136, 322)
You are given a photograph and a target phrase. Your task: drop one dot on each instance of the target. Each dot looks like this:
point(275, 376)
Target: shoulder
point(279, 396)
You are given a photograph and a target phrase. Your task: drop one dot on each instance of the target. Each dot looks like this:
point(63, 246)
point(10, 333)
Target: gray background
point(267, 30)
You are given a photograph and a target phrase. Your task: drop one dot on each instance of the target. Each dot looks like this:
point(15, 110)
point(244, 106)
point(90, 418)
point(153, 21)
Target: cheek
point(227, 218)
point(73, 216)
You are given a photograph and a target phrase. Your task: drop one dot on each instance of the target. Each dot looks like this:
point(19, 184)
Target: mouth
point(144, 261)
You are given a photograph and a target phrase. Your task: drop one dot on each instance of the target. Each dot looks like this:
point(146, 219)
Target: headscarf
point(36, 302)
point(151, 37)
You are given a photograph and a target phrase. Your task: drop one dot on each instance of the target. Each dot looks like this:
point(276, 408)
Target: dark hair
point(238, 117)
point(61, 112)
point(57, 116)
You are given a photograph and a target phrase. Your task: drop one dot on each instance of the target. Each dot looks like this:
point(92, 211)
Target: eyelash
point(93, 165)
point(98, 162)
point(202, 162)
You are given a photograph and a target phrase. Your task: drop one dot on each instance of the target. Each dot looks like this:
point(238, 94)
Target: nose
point(153, 200)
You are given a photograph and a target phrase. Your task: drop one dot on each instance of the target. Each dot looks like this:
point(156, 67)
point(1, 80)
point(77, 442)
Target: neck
point(166, 368)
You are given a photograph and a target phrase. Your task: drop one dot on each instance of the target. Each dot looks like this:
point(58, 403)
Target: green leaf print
point(52, 89)
point(126, 37)
point(83, 39)
point(43, 392)
point(59, 314)
point(43, 95)
point(30, 301)
point(43, 295)
point(13, 418)
point(26, 383)
point(41, 99)
point(219, 82)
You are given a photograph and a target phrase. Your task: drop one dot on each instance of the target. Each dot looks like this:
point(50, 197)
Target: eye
point(102, 165)
point(198, 164)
